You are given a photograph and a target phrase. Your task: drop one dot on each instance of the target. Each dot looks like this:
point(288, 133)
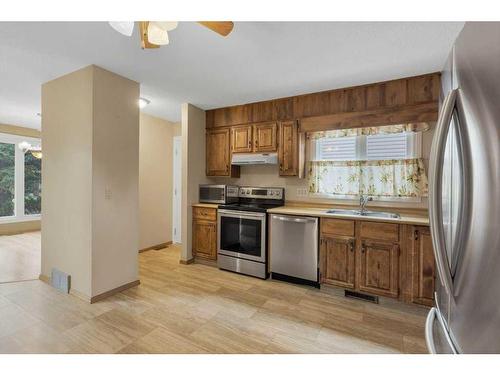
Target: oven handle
point(300, 219)
point(240, 214)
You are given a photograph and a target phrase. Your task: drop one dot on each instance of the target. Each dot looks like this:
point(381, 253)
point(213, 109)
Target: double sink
point(389, 215)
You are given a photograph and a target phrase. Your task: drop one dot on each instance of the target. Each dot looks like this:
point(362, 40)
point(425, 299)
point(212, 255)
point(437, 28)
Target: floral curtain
point(379, 178)
point(389, 129)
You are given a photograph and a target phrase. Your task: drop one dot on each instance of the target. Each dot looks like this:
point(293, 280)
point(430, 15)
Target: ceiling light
point(143, 102)
point(123, 27)
point(157, 34)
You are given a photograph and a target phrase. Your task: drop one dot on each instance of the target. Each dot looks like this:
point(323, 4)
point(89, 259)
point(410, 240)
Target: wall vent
point(60, 280)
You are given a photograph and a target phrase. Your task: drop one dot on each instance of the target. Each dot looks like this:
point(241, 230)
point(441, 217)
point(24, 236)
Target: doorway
point(177, 190)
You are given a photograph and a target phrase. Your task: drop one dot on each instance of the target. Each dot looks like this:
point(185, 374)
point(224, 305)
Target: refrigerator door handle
point(429, 331)
point(435, 190)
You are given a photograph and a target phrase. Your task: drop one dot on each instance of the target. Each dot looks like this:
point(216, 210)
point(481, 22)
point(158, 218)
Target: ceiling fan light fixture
point(166, 25)
point(156, 34)
point(123, 27)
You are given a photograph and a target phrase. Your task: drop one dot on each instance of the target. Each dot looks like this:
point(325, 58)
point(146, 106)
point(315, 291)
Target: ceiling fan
point(155, 33)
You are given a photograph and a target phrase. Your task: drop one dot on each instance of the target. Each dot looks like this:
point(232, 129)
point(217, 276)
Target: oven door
point(242, 234)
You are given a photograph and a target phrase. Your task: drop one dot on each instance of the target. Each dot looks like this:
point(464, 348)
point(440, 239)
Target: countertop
point(205, 205)
point(321, 212)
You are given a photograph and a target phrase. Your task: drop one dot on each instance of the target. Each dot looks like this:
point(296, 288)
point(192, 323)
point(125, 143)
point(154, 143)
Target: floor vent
point(361, 296)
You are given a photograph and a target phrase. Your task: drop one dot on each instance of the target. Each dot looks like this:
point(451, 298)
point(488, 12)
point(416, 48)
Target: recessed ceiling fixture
point(143, 102)
point(155, 33)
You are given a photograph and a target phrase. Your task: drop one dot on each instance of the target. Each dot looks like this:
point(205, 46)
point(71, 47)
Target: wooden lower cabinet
point(378, 267)
point(337, 264)
point(204, 244)
point(423, 268)
point(377, 258)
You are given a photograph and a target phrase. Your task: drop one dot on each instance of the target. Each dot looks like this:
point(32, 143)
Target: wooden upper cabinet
point(218, 155)
point(241, 138)
point(288, 154)
point(337, 264)
point(423, 266)
point(205, 239)
point(379, 268)
point(265, 137)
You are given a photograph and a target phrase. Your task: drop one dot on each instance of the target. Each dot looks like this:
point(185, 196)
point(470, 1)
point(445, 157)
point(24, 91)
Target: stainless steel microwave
point(218, 194)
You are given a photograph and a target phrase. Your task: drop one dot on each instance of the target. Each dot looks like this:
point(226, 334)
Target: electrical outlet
point(301, 192)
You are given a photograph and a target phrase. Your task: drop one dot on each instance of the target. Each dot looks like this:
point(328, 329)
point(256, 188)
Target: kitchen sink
point(389, 215)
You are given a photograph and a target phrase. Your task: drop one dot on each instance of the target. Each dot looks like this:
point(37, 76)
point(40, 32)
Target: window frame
point(414, 147)
point(19, 214)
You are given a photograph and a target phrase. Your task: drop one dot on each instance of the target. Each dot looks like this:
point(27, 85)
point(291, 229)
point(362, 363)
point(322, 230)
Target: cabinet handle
point(416, 235)
point(352, 245)
point(281, 167)
point(362, 249)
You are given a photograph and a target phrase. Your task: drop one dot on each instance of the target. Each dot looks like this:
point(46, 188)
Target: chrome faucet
point(363, 200)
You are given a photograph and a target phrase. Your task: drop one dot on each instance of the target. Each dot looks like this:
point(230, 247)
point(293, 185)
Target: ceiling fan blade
point(220, 27)
point(143, 30)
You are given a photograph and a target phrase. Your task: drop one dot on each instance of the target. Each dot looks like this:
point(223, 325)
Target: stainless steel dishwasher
point(294, 249)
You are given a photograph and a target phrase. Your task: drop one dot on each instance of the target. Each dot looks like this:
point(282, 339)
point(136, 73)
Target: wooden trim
point(426, 112)
point(119, 289)
point(186, 262)
point(156, 247)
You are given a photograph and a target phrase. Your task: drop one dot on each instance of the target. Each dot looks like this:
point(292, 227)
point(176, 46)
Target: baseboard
point(185, 262)
point(156, 247)
point(44, 278)
point(109, 293)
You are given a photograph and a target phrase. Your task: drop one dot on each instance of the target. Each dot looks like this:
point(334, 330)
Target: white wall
point(193, 169)
point(90, 179)
point(155, 180)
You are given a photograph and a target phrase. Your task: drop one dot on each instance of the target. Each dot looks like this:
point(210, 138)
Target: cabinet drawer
point(380, 231)
point(338, 227)
point(203, 213)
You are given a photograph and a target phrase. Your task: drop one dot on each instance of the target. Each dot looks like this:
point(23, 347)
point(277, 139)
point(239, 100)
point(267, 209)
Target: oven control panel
point(264, 193)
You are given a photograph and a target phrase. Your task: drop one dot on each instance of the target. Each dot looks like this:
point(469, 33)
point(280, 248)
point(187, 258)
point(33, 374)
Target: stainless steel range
point(242, 235)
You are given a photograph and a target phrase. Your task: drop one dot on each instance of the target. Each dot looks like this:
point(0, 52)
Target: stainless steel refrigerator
point(464, 197)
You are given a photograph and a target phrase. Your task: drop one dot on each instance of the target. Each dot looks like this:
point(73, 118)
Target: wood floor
point(20, 257)
point(200, 309)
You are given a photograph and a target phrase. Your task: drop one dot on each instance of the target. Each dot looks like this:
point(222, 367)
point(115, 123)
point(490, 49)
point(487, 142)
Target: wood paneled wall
point(416, 97)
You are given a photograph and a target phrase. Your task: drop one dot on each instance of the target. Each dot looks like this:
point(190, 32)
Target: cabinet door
point(423, 267)
point(218, 157)
point(337, 261)
point(265, 137)
point(205, 239)
point(241, 138)
point(288, 148)
point(379, 268)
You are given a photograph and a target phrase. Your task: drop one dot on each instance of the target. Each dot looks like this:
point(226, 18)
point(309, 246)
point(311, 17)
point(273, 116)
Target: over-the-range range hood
point(252, 159)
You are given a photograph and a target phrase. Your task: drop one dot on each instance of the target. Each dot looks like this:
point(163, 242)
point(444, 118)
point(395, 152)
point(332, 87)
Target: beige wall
point(155, 179)
point(193, 169)
point(268, 175)
point(90, 179)
point(67, 177)
point(115, 168)
point(24, 226)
